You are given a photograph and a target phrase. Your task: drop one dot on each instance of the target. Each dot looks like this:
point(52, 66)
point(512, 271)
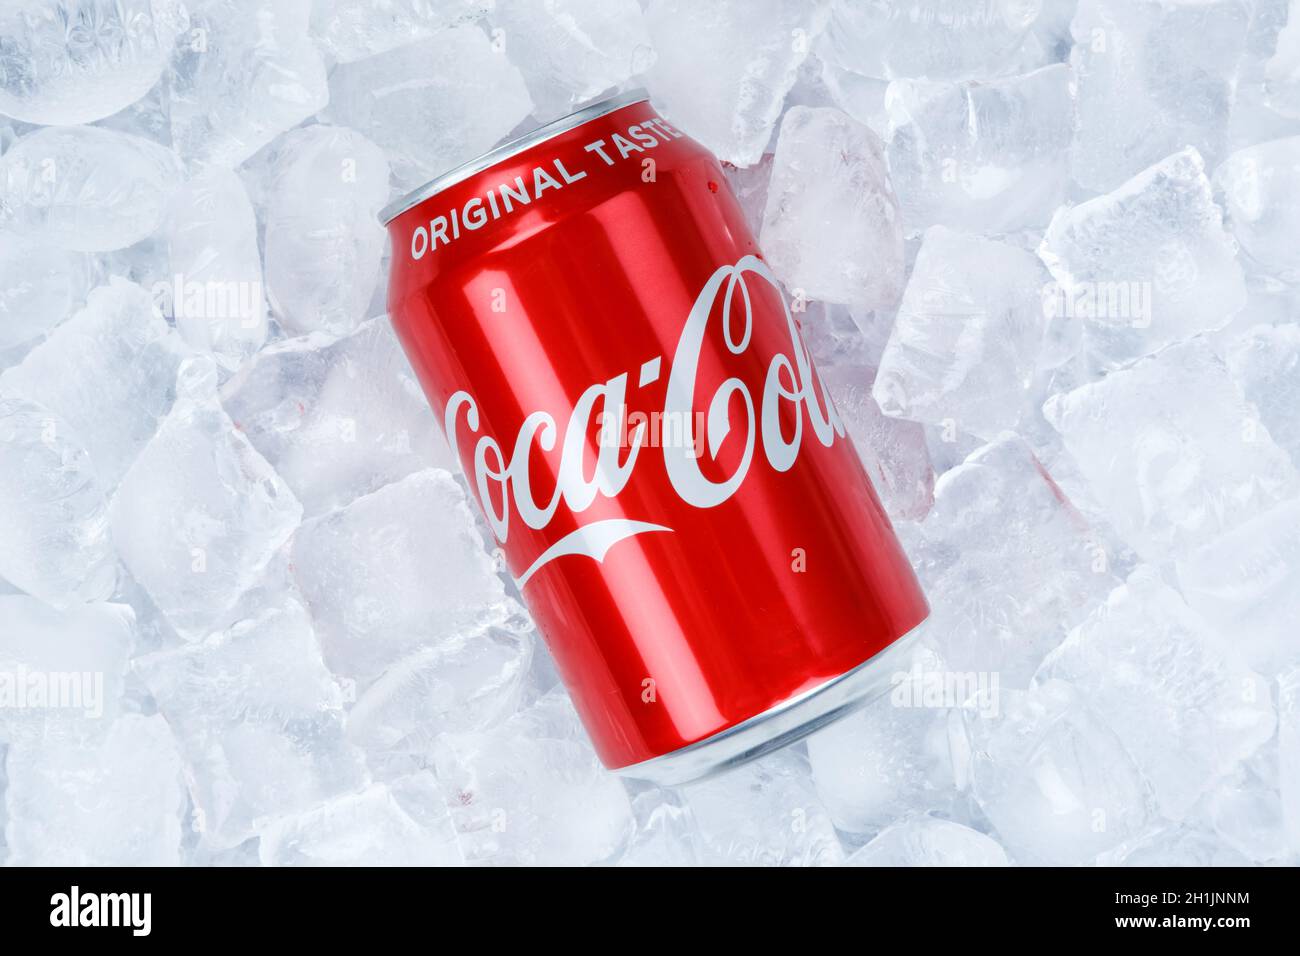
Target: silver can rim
point(506, 150)
point(783, 724)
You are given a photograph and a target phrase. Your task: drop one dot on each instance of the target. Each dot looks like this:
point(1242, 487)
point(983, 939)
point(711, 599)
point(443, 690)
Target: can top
point(506, 150)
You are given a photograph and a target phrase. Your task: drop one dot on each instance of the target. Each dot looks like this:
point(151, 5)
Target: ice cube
point(664, 835)
point(1282, 71)
point(1007, 563)
point(928, 841)
point(246, 72)
point(1247, 813)
point(200, 513)
point(1052, 777)
point(1172, 451)
point(432, 104)
point(862, 97)
point(990, 157)
point(55, 544)
point(572, 50)
point(893, 451)
point(1148, 264)
point(765, 813)
point(753, 50)
point(468, 682)
point(831, 227)
point(215, 293)
point(86, 188)
point(108, 372)
point(1185, 705)
point(61, 672)
point(370, 828)
point(337, 417)
point(935, 38)
point(394, 572)
point(964, 345)
point(1261, 195)
point(839, 336)
point(323, 244)
point(531, 792)
point(117, 803)
point(39, 285)
point(76, 61)
point(1265, 362)
point(353, 29)
point(1247, 584)
point(889, 757)
point(259, 721)
point(1152, 77)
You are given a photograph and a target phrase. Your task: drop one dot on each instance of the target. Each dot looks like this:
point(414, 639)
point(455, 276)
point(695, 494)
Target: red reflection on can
point(626, 388)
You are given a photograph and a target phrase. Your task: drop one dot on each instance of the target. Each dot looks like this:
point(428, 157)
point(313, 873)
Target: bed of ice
point(1051, 255)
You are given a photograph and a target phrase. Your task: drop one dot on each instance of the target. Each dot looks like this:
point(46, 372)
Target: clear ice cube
point(1152, 78)
point(532, 792)
point(39, 285)
point(200, 513)
point(370, 828)
point(965, 344)
point(889, 757)
point(354, 29)
point(765, 813)
point(1247, 584)
point(109, 373)
point(215, 293)
point(1172, 451)
point(1265, 362)
point(831, 227)
point(1147, 264)
point(1185, 705)
point(86, 188)
point(62, 673)
point(323, 242)
point(753, 50)
point(432, 104)
point(1052, 778)
point(1282, 71)
point(53, 509)
point(468, 682)
point(934, 38)
point(1008, 564)
point(244, 73)
point(573, 50)
point(1261, 196)
point(989, 157)
point(394, 572)
point(76, 61)
point(337, 417)
point(117, 803)
point(259, 721)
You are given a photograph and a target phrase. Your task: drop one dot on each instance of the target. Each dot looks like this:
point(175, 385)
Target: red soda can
point(621, 377)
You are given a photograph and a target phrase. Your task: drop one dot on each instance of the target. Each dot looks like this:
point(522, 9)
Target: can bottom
point(781, 725)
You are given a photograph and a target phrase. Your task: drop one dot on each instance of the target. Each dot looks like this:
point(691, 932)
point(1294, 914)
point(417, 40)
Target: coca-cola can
point(624, 383)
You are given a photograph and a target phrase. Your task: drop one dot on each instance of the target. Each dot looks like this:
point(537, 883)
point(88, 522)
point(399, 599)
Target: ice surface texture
point(1042, 252)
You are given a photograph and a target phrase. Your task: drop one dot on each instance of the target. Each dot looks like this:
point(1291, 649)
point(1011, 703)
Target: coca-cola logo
point(790, 380)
